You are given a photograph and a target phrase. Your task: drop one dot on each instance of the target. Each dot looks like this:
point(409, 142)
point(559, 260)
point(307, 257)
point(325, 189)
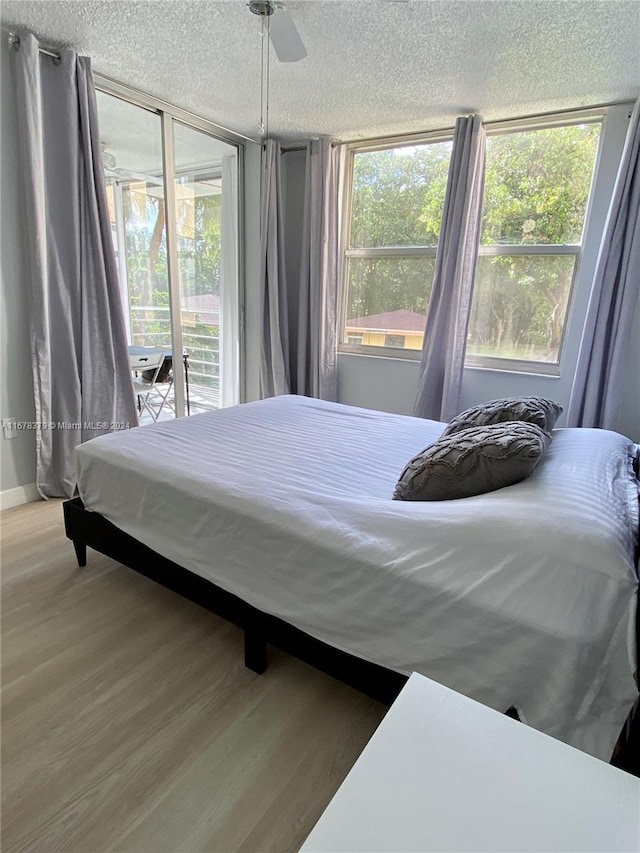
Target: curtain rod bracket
point(14, 41)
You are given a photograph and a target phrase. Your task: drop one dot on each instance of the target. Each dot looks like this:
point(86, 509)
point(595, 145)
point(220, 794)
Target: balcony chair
point(153, 387)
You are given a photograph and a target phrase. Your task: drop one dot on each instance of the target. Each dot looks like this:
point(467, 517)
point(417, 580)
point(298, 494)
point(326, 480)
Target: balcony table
point(136, 351)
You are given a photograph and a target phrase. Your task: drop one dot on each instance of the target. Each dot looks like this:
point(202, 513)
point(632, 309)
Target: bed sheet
point(524, 596)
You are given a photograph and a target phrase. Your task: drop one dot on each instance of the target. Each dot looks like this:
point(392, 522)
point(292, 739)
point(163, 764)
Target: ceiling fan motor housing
point(262, 7)
point(281, 29)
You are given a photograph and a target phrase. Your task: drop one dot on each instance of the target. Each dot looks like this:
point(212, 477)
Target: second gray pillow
point(533, 410)
point(474, 461)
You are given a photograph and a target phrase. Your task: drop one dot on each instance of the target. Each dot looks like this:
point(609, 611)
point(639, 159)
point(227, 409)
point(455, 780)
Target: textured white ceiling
point(374, 67)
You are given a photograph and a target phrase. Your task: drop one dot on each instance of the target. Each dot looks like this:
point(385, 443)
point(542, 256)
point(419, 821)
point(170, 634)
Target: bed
point(524, 597)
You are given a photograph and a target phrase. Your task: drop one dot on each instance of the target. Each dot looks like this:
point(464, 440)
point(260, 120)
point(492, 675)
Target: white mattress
point(524, 596)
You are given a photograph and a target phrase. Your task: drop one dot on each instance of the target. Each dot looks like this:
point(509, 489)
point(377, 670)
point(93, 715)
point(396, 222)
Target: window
point(394, 341)
point(536, 193)
point(537, 188)
point(393, 221)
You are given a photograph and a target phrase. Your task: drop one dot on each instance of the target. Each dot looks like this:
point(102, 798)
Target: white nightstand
point(444, 773)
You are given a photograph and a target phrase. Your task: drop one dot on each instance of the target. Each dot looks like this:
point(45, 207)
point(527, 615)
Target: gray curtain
point(274, 360)
point(597, 389)
point(316, 373)
point(81, 374)
point(447, 324)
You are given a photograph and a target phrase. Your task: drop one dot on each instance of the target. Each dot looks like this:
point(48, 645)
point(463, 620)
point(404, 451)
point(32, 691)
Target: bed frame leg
point(255, 651)
point(81, 552)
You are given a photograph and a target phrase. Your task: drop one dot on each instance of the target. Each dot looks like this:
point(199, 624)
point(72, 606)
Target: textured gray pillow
point(473, 461)
point(532, 410)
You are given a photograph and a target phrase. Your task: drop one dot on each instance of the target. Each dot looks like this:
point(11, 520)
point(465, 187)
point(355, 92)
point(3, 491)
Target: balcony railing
point(151, 326)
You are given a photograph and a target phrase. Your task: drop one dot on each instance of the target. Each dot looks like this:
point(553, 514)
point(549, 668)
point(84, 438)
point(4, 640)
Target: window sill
point(493, 365)
point(382, 352)
point(513, 365)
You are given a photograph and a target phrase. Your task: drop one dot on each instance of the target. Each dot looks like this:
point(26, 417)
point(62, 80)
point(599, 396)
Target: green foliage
point(199, 244)
point(398, 196)
point(397, 200)
point(519, 306)
point(146, 261)
point(536, 191)
point(537, 185)
point(386, 284)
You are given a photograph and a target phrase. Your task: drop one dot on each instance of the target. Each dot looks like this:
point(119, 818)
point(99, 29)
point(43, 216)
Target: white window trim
point(392, 252)
point(553, 249)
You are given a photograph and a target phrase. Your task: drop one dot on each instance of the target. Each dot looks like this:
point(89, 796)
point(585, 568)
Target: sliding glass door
point(206, 232)
point(173, 191)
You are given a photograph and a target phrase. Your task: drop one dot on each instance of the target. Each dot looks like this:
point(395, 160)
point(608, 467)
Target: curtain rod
point(587, 108)
point(14, 41)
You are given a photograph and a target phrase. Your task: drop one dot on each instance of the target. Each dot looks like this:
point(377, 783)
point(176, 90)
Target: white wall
point(18, 455)
point(390, 384)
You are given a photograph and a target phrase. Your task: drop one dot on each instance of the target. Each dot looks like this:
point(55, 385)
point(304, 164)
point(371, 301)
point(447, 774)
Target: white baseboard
point(19, 495)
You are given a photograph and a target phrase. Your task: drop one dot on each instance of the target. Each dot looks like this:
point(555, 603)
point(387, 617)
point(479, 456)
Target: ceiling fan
point(284, 36)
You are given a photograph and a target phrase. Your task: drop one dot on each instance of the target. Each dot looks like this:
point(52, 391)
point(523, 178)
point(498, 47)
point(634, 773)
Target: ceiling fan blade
point(285, 38)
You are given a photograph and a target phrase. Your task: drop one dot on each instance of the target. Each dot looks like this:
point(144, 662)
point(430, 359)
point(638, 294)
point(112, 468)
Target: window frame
point(564, 118)
point(170, 116)
point(346, 252)
point(509, 126)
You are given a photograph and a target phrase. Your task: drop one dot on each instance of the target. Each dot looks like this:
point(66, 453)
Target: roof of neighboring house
point(208, 302)
point(397, 321)
point(207, 305)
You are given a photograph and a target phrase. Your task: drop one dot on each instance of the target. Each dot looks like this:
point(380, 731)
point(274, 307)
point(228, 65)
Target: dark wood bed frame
point(90, 529)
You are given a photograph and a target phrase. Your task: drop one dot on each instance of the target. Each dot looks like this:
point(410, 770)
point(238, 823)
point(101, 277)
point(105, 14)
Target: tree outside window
point(537, 188)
